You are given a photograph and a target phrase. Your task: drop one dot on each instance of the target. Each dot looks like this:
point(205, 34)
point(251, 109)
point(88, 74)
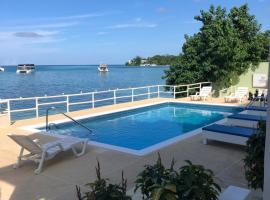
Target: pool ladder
point(262, 101)
point(49, 126)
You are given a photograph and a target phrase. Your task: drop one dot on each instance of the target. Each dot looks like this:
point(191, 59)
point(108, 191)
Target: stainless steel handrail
point(255, 99)
point(53, 108)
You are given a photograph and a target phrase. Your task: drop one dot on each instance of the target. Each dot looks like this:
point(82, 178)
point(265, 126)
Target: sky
point(102, 31)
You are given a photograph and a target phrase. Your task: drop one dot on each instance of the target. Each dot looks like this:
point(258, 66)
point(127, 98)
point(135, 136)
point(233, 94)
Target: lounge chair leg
point(40, 165)
point(84, 144)
point(19, 160)
point(205, 141)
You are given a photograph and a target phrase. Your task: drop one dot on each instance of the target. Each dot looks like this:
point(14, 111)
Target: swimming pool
point(145, 129)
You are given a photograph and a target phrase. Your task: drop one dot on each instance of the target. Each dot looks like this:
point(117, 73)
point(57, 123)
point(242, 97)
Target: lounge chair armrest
point(52, 145)
point(37, 141)
point(197, 93)
point(231, 95)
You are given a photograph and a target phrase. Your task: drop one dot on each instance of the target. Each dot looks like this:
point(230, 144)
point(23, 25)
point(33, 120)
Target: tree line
point(157, 60)
point(226, 46)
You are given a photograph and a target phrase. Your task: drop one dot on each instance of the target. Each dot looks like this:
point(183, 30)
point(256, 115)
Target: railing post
point(132, 94)
point(187, 90)
point(8, 110)
point(174, 95)
point(148, 92)
point(93, 100)
point(114, 96)
point(67, 103)
point(158, 91)
point(37, 111)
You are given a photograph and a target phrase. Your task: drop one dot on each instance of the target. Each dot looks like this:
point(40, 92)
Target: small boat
point(103, 68)
point(2, 69)
point(25, 68)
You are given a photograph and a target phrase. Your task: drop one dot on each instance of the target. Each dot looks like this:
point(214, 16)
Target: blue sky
point(94, 31)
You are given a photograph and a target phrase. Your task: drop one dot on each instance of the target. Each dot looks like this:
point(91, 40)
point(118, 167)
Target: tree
point(224, 48)
point(265, 41)
point(157, 59)
point(137, 60)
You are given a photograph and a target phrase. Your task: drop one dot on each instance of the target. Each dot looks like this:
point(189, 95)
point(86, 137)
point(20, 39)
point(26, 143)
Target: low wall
point(246, 79)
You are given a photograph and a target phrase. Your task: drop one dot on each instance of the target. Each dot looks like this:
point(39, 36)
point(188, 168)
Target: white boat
point(25, 68)
point(148, 65)
point(2, 69)
point(103, 68)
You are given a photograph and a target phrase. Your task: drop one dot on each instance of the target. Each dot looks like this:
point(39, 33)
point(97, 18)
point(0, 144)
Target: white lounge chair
point(234, 193)
point(39, 153)
point(203, 94)
point(239, 95)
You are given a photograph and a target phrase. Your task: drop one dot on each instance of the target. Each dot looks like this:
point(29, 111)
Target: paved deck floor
point(61, 174)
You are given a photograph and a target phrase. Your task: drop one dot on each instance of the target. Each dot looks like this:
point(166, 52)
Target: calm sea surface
point(52, 80)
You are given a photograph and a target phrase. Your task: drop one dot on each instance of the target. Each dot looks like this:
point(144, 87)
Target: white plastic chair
point(39, 153)
point(239, 95)
point(203, 94)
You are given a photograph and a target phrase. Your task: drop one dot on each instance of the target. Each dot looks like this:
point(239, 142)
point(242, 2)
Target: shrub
point(152, 176)
point(190, 182)
point(102, 190)
point(254, 160)
point(196, 182)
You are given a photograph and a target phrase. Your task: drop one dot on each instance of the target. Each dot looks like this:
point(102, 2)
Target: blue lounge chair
point(247, 117)
point(256, 108)
point(229, 134)
point(245, 120)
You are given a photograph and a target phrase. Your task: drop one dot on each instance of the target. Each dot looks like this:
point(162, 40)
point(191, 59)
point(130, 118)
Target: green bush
point(154, 176)
point(102, 190)
point(190, 182)
point(254, 160)
point(196, 182)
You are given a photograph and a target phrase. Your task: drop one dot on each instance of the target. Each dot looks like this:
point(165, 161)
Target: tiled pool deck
point(61, 174)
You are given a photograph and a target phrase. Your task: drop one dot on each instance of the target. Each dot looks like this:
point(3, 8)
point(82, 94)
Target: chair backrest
point(241, 91)
point(263, 91)
point(25, 142)
point(205, 91)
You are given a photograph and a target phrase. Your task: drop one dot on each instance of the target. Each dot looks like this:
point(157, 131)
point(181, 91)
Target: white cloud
point(162, 10)
point(41, 26)
point(35, 34)
point(16, 39)
point(138, 19)
point(133, 25)
point(82, 16)
point(102, 33)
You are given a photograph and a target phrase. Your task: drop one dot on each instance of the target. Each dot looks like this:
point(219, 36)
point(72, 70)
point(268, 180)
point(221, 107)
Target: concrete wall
point(245, 80)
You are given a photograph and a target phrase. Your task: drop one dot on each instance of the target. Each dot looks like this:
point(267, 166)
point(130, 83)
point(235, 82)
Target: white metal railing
point(114, 95)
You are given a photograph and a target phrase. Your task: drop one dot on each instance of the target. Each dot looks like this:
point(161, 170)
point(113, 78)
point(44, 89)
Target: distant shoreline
point(94, 65)
point(147, 66)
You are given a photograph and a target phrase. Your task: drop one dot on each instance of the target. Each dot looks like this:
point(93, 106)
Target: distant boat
point(103, 68)
point(148, 65)
point(25, 68)
point(2, 69)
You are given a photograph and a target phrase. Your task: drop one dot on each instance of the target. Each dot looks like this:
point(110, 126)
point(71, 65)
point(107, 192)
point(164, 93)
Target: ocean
point(58, 79)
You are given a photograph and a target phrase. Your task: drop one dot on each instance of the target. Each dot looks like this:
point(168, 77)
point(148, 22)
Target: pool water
point(144, 127)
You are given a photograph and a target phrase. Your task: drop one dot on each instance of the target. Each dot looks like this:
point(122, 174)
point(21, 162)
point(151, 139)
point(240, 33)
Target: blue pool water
point(143, 127)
